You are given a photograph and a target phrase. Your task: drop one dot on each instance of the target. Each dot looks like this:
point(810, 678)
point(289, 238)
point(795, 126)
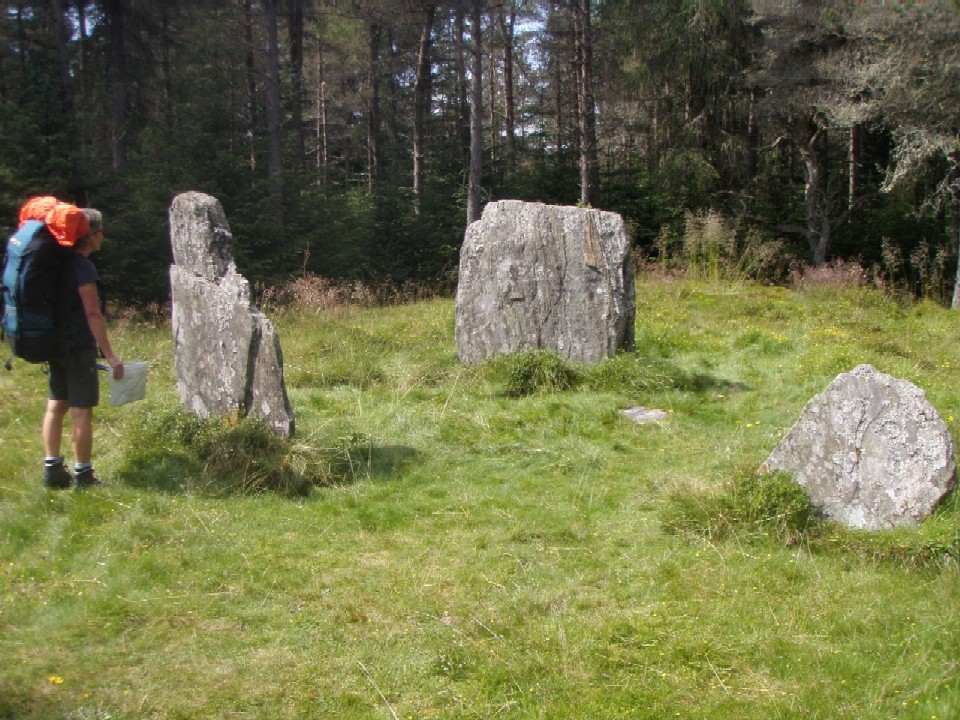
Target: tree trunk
point(493, 124)
point(275, 161)
point(854, 164)
point(509, 103)
point(815, 201)
point(321, 127)
point(374, 122)
point(476, 118)
point(558, 81)
point(955, 231)
point(3, 83)
point(653, 144)
point(166, 69)
point(589, 163)
point(81, 6)
point(295, 33)
point(251, 68)
point(421, 104)
point(461, 66)
point(63, 57)
point(117, 79)
point(394, 97)
point(21, 41)
point(753, 137)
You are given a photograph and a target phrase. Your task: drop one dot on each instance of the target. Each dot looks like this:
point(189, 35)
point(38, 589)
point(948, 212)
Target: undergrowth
point(750, 505)
point(714, 248)
point(234, 455)
point(541, 371)
point(317, 294)
point(771, 506)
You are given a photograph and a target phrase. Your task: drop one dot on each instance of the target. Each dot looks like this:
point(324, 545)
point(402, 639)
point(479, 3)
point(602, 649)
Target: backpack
point(37, 208)
point(68, 223)
point(33, 285)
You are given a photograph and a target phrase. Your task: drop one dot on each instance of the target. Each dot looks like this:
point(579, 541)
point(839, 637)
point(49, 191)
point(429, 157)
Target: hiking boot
point(57, 477)
point(86, 478)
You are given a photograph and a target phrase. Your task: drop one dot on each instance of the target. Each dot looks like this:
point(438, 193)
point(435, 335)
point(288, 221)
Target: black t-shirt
point(78, 271)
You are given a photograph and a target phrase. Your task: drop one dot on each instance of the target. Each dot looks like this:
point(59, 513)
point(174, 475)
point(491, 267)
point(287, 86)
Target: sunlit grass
point(470, 551)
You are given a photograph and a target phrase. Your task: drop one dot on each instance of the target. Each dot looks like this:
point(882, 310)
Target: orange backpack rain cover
point(68, 224)
point(37, 208)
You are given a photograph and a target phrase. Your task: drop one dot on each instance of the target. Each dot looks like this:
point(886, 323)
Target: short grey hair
point(95, 218)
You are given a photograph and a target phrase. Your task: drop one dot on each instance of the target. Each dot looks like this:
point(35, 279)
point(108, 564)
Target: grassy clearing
point(479, 542)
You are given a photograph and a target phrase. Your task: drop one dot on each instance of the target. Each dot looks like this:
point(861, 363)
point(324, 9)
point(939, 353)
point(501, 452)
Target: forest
point(356, 139)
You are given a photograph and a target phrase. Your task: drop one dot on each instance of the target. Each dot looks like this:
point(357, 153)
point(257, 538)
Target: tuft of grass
point(631, 373)
point(241, 455)
point(538, 371)
point(772, 500)
point(236, 455)
point(771, 506)
point(768, 505)
point(934, 544)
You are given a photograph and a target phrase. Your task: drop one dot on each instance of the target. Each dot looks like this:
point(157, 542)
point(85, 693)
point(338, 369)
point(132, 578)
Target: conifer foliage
point(354, 139)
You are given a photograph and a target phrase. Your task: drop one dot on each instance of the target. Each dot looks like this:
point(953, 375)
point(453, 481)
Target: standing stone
point(544, 277)
point(870, 450)
point(227, 354)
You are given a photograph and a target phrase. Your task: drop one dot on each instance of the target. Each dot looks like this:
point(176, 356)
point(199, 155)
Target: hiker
point(73, 381)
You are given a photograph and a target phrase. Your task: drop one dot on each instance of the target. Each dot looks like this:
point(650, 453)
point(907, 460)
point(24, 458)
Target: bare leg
point(82, 434)
point(53, 426)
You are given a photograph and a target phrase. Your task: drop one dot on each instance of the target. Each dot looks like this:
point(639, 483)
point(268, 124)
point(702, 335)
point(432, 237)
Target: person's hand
point(117, 365)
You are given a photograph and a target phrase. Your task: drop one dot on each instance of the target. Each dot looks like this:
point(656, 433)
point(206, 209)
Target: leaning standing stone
point(870, 450)
point(227, 354)
point(543, 277)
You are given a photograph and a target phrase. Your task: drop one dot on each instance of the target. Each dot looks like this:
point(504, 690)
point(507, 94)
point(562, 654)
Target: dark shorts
point(74, 378)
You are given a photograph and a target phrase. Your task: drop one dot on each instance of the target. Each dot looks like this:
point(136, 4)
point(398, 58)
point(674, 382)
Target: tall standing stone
point(227, 354)
point(870, 450)
point(544, 277)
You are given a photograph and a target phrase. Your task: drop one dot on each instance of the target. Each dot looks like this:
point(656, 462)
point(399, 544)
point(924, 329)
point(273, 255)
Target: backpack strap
point(3, 308)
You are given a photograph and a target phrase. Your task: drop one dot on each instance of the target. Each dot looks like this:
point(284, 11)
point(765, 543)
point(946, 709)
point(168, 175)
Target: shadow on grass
point(380, 462)
point(293, 474)
point(22, 704)
point(541, 371)
point(702, 383)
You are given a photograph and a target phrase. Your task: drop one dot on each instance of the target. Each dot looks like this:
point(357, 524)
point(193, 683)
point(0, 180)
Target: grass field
point(479, 542)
